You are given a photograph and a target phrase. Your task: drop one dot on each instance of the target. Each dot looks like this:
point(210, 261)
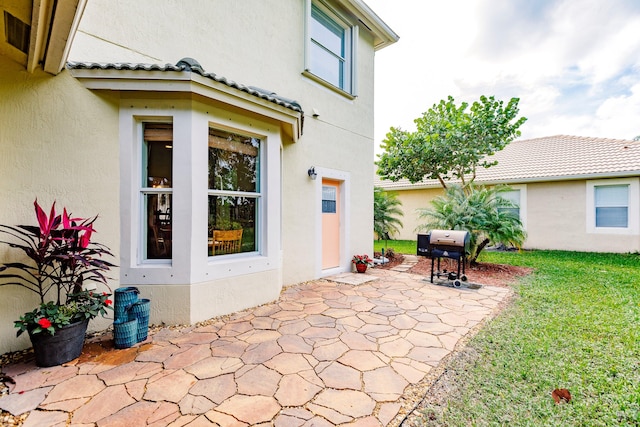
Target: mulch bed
point(481, 273)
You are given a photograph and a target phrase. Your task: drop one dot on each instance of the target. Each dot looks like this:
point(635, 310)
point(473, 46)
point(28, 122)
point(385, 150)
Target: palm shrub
point(386, 209)
point(481, 211)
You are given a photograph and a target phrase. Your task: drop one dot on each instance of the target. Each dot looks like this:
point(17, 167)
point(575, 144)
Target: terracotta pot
point(361, 268)
point(64, 346)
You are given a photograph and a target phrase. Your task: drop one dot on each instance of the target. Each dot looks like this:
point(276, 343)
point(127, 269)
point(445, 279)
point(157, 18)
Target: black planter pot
point(65, 345)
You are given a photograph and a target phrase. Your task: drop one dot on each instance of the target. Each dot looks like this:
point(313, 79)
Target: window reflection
point(234, 193)
point(158, 209)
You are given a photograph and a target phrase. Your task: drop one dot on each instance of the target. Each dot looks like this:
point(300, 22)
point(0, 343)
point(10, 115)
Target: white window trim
point(143, 191)
point(353, 36)
point(633, 225)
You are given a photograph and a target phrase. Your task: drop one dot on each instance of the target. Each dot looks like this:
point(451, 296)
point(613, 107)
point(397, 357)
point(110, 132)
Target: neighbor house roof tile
point(552, 158)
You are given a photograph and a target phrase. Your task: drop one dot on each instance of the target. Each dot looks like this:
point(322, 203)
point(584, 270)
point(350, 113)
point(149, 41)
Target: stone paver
point(328, 352)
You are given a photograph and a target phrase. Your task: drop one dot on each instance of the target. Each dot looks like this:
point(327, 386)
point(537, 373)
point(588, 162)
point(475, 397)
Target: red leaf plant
point(61, 258)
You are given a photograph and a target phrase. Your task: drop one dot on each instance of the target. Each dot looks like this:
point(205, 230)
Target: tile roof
point(552, 158)
point(190, 65)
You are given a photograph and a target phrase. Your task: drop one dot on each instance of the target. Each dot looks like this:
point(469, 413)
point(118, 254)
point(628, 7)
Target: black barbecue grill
point(453, 244)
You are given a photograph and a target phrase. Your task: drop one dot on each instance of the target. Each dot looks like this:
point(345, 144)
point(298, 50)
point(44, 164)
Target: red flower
point(108, 302)
point(44, 323)
point(104, 294)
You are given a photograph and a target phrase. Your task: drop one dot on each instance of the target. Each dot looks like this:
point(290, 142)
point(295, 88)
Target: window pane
point(612, 217)
point(612, 195)
point(327, 66)
point(328, 199)
point(327, 32)
point(236, 216)
point(157, 172)
point(233, 162)
point(513, 196)
point(157, 155)
point(515, 212)
point(158, 230)
point(612, 203)
point(329, 51)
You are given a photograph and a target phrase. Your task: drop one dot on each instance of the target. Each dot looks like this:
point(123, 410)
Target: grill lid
point(455, 238)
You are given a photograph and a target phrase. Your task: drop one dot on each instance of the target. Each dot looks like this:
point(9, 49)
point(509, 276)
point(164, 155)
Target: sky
point(574, 64)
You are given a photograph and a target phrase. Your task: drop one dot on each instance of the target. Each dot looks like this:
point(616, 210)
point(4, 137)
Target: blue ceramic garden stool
point(125, 333)
point(124, 298)
point(140, 310)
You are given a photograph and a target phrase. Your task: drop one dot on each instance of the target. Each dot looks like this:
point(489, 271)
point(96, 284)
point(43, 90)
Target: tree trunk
point(444, 184)
point(479, 249)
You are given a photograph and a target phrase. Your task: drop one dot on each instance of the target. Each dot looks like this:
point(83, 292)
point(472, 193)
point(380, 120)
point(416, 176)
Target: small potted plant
point(61, 261)
point(362, 262)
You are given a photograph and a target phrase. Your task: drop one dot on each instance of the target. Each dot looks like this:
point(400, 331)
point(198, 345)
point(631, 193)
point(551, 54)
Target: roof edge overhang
point(189, 82)
point(53, 27)
point(389, 185)
point(383, 34)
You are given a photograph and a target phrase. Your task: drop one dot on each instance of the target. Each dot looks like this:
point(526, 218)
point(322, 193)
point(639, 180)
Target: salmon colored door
point(330, 224)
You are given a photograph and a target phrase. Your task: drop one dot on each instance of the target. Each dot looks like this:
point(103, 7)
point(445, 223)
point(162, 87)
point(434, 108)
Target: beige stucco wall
point(266, 49)
point(58, 142)
point(412, 200)
point(555, 217)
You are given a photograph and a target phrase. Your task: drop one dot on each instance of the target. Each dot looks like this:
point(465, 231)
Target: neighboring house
point(203, 186)
point(573, 193)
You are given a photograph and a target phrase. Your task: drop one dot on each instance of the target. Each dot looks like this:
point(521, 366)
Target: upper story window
point(611, 205)
point(234, 192)
point(330, 48)
point(156, 190)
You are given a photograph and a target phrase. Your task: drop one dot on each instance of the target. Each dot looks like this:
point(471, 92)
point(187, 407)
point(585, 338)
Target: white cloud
point(619, 117)
point(574, 65)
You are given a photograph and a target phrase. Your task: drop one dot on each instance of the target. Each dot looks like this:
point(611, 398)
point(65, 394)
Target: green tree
point(450, 142)
point(386, 209)
point(481, 211)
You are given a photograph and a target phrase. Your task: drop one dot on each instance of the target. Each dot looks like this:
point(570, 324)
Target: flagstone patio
point(326, 353)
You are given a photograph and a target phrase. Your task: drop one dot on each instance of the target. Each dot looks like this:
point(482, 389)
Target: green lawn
point(575, 324)
point(399, 246)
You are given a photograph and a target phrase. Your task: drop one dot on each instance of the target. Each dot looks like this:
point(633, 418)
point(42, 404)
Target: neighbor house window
point(234, 192)
point(156, 190)
point(330, 48)
point(514, 197)
point(611, 205)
